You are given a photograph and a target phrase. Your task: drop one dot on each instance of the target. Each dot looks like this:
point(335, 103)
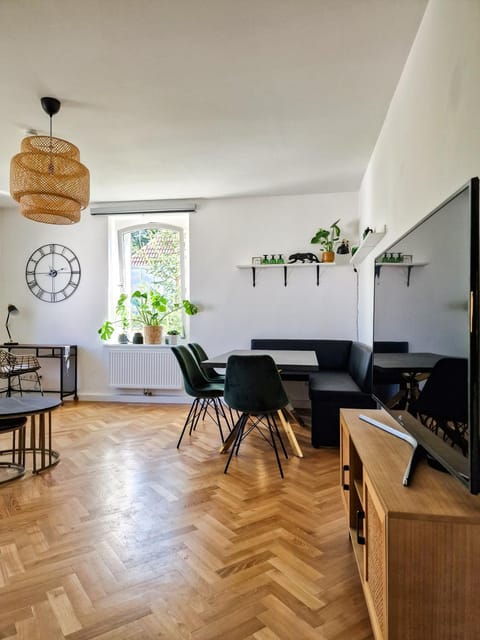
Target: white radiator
point(144, 369)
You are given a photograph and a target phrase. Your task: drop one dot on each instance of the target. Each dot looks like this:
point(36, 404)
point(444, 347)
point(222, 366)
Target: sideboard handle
point(346, 486)
point(360, 519)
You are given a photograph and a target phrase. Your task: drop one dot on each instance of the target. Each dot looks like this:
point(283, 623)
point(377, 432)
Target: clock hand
point(52, 272)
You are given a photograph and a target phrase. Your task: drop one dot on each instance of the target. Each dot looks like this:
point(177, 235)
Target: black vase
point(137, 338)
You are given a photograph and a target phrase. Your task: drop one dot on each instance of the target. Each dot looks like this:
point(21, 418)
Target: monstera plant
point(148, 309)
point(327, 239)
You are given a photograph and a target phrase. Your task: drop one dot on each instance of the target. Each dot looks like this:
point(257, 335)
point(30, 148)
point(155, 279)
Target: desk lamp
point(11, 309)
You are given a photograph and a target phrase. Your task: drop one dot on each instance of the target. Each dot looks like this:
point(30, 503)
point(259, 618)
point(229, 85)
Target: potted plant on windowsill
point(149, 309)
point(172, 336)
point(107, 328)
point(152, 308)
point(327, 238)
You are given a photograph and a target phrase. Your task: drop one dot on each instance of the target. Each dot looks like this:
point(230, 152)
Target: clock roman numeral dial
point(53, 273)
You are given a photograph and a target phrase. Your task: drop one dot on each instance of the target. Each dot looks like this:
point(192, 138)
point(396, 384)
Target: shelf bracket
point(409, 271)
point(253, 276)
point(409, 268)
point(285, 276)
point(318, 274)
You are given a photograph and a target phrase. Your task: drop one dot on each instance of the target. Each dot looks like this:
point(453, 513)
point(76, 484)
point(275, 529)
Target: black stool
point(15, 426)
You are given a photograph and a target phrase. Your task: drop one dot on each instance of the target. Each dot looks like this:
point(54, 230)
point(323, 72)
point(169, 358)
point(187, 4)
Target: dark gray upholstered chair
point(200, 355)
point(15, 465)
point(253, 388)
point(442, 405)
point(206, 394)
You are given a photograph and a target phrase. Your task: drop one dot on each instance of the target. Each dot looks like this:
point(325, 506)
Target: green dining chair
point(200, 355)
point(253, 387)
point(207, 395)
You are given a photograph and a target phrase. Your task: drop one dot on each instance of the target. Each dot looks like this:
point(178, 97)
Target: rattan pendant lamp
point(47, 177)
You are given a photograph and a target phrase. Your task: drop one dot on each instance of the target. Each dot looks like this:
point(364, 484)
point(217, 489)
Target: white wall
point(229, 232)
point(430, 142)
point(223, 233)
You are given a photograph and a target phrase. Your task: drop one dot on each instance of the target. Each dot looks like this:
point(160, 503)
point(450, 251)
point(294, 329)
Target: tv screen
point(426, 334)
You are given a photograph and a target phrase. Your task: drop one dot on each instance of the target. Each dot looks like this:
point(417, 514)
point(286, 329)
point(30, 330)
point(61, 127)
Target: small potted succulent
point(327, 239)
point(172, 336)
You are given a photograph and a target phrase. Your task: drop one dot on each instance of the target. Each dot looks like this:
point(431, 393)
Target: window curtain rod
point(142, 206)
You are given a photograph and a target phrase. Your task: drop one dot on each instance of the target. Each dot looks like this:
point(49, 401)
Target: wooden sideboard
point(417, 548)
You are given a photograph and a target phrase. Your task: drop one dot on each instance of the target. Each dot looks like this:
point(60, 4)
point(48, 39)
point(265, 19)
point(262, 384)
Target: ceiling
point(205, 98)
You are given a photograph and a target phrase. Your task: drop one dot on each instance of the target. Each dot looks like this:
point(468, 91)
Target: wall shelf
point(285, 267)
point(367, 245)
point(395, 265)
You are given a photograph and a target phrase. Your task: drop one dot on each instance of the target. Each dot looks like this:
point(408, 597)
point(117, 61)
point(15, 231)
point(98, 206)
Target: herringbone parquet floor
point(129, 538)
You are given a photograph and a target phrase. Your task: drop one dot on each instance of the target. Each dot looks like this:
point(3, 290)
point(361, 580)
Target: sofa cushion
point(332, 382)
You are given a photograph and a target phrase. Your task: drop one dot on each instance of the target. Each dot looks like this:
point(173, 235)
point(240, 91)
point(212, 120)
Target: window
point(149, 251)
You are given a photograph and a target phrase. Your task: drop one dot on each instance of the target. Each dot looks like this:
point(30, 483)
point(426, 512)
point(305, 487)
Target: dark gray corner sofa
point(343, 380)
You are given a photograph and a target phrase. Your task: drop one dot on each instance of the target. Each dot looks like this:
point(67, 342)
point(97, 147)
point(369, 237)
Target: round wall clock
point(53, 272)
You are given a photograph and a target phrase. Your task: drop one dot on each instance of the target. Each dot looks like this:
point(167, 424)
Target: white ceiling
point(205, 98)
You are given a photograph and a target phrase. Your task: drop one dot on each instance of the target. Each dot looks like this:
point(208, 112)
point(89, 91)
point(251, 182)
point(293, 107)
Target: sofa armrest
point(360, 365)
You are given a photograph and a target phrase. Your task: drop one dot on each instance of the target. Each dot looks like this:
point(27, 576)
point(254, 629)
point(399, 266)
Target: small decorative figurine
point(302, 257)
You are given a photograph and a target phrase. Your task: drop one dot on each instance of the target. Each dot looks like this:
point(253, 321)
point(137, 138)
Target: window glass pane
point(152, 258)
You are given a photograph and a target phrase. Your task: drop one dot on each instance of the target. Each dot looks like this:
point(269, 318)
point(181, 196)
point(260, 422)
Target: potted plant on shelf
point(327, 238)
point(148, 309)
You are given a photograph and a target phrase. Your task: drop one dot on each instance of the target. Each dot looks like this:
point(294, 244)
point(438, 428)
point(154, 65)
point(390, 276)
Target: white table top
point(300, 361)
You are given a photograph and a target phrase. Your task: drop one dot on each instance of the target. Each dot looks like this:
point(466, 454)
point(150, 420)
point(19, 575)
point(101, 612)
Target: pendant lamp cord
point(51, 168)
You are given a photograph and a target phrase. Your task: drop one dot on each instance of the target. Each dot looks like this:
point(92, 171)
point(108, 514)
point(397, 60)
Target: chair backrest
point(445, 394)
point(198, 351)
point(200, 355)
point(193, 377)
point(253, 385)
point(7, 360)
point(390, 346)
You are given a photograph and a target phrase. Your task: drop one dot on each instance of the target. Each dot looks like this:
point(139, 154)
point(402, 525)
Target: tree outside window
point(152, 258)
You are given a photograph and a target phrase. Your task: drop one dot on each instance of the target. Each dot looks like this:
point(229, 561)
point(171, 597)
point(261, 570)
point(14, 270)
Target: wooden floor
point(130, 538)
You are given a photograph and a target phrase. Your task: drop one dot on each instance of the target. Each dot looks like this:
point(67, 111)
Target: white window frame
point(118, 226)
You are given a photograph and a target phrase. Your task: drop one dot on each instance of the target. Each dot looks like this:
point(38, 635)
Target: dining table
point(287, 361)
point(411, 368)
point(291, 361)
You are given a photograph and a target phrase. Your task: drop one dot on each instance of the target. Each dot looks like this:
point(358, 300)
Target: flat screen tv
point(426, 334)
